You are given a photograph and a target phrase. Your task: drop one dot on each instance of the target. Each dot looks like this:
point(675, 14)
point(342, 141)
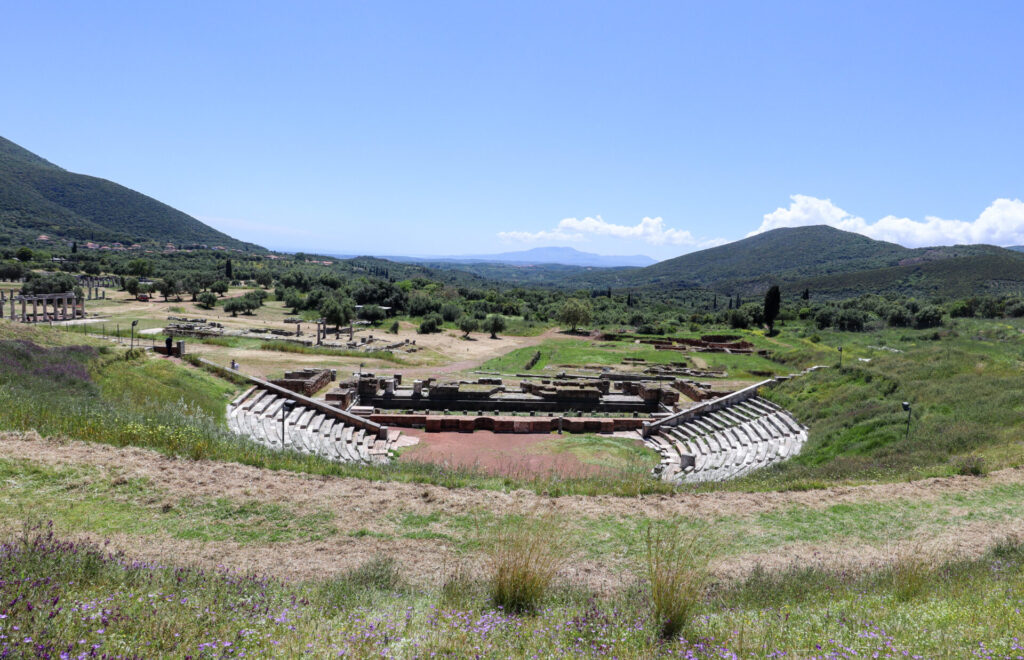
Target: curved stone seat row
point(728, 442)
point(257, 414)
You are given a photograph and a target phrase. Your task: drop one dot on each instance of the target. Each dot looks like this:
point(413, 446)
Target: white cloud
point(1002, 223)
point(649, 230)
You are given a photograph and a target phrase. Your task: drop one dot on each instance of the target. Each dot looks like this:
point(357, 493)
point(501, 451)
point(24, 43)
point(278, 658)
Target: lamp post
point(906, 406)
point(134, 323)
point(286, 410)
point(840, 357)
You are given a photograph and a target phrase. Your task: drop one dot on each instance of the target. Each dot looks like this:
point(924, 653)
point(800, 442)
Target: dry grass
point(525, 555)
point(677, 568)
point(910, 571)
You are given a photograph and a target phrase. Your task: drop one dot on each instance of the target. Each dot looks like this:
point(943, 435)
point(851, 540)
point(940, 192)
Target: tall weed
point(524, 557)
point(677, 567)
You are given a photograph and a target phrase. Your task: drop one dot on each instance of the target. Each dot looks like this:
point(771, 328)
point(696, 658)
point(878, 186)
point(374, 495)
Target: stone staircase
point(310, 427)
point(726, 442)
point(727, 437)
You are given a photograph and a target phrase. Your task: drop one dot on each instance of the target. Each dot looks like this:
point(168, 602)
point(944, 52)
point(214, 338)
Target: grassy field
point(963, 385)
point(556, 354)
point(97, 392)
point(75, 598)
point(869, 573)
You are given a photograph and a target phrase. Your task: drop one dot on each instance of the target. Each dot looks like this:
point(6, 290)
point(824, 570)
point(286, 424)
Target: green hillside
point(825, 258)
point(38, 197)
point(998, 273)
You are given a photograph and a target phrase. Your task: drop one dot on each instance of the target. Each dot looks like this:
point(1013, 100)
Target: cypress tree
point(772, 303)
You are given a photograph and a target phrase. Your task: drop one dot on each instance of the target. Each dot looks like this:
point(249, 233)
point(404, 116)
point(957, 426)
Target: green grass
point(963, 388)
point(86, 499)
point(557, 354)
point(290, 347)
point(610, 452)
point(938, 610)
point(177, 410)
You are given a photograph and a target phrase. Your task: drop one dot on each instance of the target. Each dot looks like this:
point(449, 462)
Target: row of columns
point(59, 302)
point(321, 331)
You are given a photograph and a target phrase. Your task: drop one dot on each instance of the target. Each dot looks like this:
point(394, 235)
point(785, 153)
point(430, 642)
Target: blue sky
point(619, 128)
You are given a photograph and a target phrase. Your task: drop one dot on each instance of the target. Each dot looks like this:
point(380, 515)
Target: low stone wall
point(305, 381)
point(342, 397)
point(510, 424)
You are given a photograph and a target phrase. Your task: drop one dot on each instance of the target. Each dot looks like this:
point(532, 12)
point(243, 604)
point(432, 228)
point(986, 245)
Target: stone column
point(24, 318)
point(35, 309)
point(64, 308)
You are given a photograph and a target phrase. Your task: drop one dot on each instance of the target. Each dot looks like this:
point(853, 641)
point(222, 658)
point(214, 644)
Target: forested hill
point(38, 197)
point(814, 255)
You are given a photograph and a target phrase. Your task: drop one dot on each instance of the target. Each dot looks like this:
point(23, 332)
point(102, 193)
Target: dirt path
point(488, 349)
point(375, 506)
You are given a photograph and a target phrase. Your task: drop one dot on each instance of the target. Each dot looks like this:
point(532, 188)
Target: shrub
point(372, 313)
point(738, 319)
point(677, 567)
point(208, 300)
point(493, 324)
point(450, 312)
point(909, 574)
point(651, 329)
point(430, 323)
point(971, 466)
point(850, 320)
point(525, 555)
point(928, 317)
point(824, 318)
point(421, 304)
point(376, 574)
point(468, 324)
point(394, 328)
point(1015, 309)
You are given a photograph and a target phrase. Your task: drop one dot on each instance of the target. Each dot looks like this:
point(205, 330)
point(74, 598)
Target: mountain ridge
point(801, 255)
point(554, 255)
point(38, 197)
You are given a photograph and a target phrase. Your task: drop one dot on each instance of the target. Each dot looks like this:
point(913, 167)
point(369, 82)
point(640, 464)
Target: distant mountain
point(819, 255)
point(566, 256)
point(38, 197)
point(1016, 248)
